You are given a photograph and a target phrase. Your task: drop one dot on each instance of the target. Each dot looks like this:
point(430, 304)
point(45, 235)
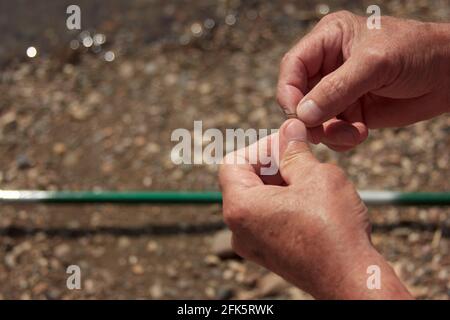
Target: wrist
point(358, 279)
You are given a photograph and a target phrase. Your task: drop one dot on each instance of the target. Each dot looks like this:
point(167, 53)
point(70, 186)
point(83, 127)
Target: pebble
point(210, 292)
point(89, 286)
point(152, 246)
point(23, 162)
point(79, 112)
point(221, 245)
point(126, 70)
point(40, 288)
point(8, 121)
point(212, 260)
point(156, 291)
point(138, 269)
point(153, 148)
point(224, 293)
point(228, 274)
point(59, 148)
point(71, 159)
point(271, 284)
point(62, 250)
point(53, 294)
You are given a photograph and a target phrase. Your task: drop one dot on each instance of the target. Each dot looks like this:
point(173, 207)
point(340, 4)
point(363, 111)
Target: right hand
point(310, 226)
point(343, 78)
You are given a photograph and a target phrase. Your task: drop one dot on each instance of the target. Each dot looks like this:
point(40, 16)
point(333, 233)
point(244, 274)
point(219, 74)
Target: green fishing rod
point(200, 197)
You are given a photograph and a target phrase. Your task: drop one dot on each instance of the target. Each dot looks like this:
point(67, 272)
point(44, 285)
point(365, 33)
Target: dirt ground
point(69, 120)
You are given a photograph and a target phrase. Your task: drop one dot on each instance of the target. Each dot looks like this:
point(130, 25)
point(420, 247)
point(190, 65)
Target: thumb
point(338, 90)
point(294, 149)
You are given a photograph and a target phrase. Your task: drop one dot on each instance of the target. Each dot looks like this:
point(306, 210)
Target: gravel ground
point(71, 120)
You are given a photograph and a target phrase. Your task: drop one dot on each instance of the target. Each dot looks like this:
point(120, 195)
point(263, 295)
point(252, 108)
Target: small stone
point(205, 88)
point(212, 260)
point(23, 162)
point(150, 68)
point(10, 260)
point(156, 291)
point(147, 181)
point(171, 272)
point(89, 286)
point(297, 294)
point(224, 294)
point(221, 245)
point(177, 174)
point(71, 159)
point(210, 292)
point(137, 269)
point(132, 260)
point(79, 112)
point(53, 294)
point(258, 115)
point(59, 148)
point(139, 141)
point(271, 284)
point(152, 246)
point(94, 98)
point(228, 274)
point(40, 288)
point(170, 79)
point(231, 118)
point(107, 167)
point(8, 121)
point(126, 70)
point(152, 148)
point(237, 267)
point(61, 250)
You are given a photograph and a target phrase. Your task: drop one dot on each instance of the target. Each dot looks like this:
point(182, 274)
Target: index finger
point(316, 55)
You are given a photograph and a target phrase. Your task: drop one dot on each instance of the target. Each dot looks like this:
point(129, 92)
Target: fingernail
point(309, 112)
point(295, 131)
point(348, 137)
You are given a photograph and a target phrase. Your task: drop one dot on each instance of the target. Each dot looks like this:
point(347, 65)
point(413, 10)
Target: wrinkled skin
point(308, 223)
point(360, 78)
point(309, 226)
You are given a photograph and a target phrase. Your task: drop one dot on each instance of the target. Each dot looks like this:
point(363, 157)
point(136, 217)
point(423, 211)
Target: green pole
point(200, 197)
point(163, 197)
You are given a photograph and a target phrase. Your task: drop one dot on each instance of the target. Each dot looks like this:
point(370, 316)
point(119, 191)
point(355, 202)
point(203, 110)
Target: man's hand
point(343, 78)
point(311, 227)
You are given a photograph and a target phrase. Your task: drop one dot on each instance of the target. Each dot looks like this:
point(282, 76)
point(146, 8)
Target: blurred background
point(93, 109)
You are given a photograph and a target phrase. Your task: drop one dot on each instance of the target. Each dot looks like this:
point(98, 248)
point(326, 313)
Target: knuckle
point(281, 92)
point(286, 57)
point(285, 61)
point(378, 57)
point(280, 99)
point(339, 15)
point(383, 64)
